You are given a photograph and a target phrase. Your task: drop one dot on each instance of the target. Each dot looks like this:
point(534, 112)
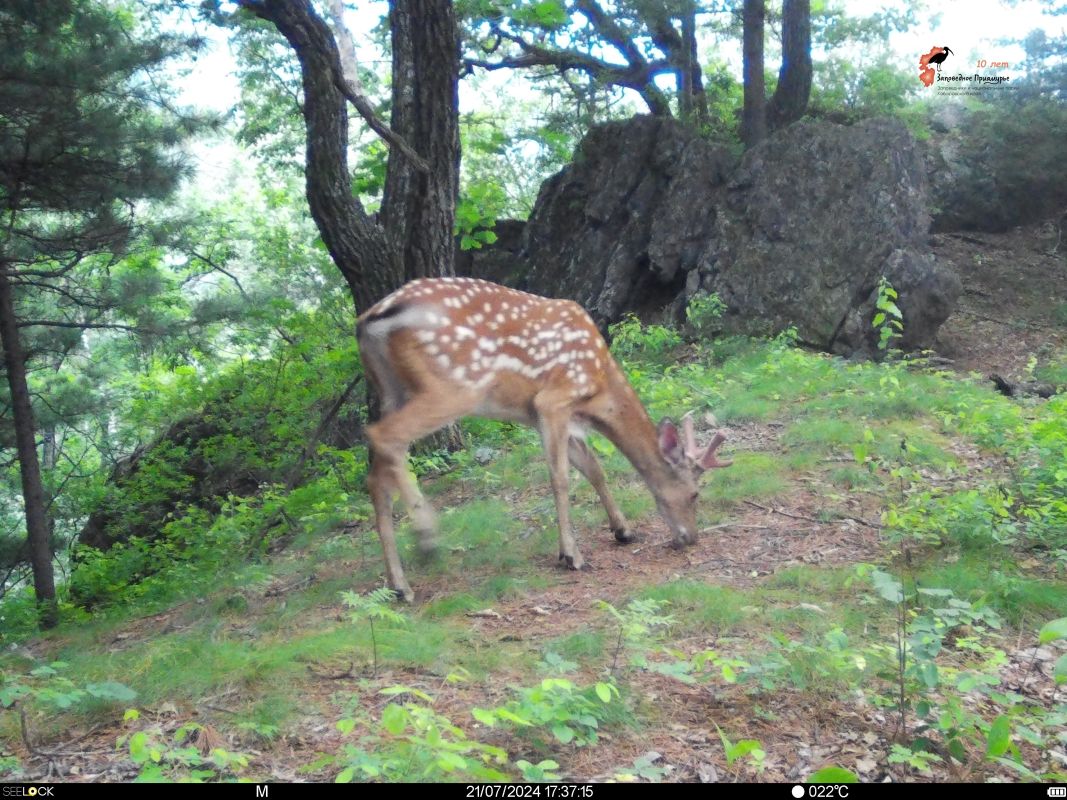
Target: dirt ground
point(1014, 302)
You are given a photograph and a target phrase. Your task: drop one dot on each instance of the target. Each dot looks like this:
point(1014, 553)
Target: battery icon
point(1057, 791)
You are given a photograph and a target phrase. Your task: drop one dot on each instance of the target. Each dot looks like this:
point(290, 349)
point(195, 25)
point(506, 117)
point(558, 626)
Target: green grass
point(853, 477)
point(701, 607)
point(753, 476)
point(827, 434)
point(1055, 370)
point(584, 646)
point(814, 582)
point(996, 582)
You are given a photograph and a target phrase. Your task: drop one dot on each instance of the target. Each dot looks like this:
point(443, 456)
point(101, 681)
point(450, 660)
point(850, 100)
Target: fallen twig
point(276, 591)
point(783, 513)
point(340, 676)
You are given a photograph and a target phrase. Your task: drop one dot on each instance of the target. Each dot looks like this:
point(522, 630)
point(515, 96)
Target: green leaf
point(928, 673)
point(564, 733)
point(345, 775)
point(957, 750)
point(1051, 631)
point(346, 725)
point(510, 716)
point(393, 691)
point(603, 691)
point(550, 13)
point(1061, 669)
point(888, 587)
point(111, 690)
point(9, 694)
point(999, 737)
point(484, 716)
point(451, 761)
point(879, 318)
point(395, 719)
point(832, 775)
point(139, 747)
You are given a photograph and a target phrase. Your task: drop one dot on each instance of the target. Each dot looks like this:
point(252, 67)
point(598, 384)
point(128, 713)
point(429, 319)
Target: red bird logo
point(936, 56)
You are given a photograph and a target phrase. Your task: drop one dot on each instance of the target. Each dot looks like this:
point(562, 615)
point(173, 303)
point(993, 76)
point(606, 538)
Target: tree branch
point(636, 74)
point(216, 267)
point(49, 323)
point(349, 84)
point(611, 31)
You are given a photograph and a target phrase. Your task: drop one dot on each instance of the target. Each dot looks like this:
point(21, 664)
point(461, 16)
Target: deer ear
point(669, 443)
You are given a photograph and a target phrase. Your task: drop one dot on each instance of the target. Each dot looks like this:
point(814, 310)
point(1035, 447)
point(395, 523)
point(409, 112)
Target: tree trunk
point(360, 249)
point(37, 526)
point(694, 102)
point(415, 238)
point(418, 209)
point(754, 115)
point(790, 99)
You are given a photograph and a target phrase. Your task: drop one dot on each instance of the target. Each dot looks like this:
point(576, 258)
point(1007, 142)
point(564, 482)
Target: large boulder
point(812, 219)
point(618, 228)
point(798, 233)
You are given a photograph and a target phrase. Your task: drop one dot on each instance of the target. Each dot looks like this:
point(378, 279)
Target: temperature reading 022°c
point(830, 791)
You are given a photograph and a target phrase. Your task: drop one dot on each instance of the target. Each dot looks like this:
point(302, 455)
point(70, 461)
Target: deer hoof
point(404, 595)
point(574, 562)
point(624, 535)
point(682, 542)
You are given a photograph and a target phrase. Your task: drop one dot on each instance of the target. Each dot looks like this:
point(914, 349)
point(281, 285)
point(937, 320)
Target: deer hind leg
point(389, 440)
point(583, 459)
point(553, 414)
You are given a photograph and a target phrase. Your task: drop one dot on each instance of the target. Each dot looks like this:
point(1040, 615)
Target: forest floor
point(271, 661)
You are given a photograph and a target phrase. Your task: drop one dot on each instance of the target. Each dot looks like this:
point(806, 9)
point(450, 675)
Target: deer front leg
point(585, 462)
point(552, 422)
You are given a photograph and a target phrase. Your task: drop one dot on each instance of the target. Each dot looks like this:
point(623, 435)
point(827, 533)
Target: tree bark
point(790, 99)
point(38, 529)
point(693, 104)
point(754, 114)
point(418, 208)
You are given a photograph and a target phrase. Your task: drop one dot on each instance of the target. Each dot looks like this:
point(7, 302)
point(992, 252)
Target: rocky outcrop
point(811, 220)
point(619, 227)
point(798, 232)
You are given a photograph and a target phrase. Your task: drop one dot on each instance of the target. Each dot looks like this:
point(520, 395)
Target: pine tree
point(85, 134)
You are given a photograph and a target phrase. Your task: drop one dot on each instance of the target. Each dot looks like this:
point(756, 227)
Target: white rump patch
point(414, 317)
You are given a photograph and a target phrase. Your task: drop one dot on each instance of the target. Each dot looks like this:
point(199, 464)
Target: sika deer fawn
point(444, 348)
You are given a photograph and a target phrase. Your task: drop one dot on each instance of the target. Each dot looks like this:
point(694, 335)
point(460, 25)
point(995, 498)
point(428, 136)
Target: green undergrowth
point(475, 681)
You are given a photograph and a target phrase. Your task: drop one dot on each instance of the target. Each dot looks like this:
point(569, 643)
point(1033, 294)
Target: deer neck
point(626, 424)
